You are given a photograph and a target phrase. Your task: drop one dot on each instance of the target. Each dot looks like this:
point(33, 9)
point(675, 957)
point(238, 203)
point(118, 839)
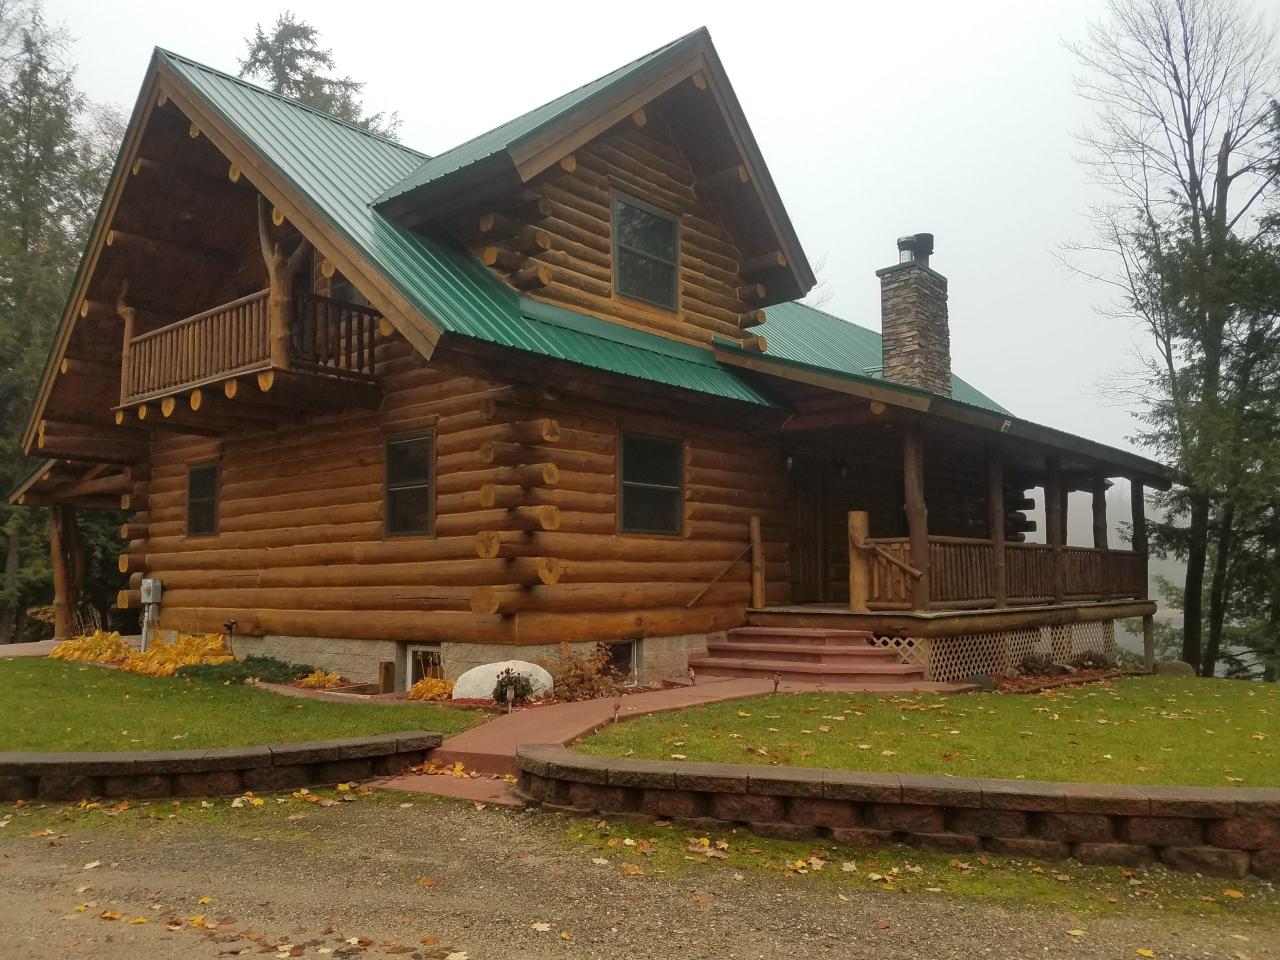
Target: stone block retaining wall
point(195, 773)
point(1226, 832)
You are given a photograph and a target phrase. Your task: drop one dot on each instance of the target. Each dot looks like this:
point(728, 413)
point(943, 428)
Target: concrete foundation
point(656, 658)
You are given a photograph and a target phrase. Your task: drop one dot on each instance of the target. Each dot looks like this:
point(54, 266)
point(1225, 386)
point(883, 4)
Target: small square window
point(409, 503)
point(646, 253)
point(202, 500)
point(652, 494)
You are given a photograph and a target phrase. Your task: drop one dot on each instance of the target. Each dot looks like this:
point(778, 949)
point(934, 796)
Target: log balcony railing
point(326, 337)
point(964, 573)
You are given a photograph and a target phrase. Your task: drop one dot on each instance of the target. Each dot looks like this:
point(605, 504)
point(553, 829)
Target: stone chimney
point(913, 318)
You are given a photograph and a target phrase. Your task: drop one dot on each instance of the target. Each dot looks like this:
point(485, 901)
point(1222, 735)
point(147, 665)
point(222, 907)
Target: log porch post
point(859, 561)
point(61, 535)
point(757, 564)
point(917, 512)
point(1138, 500)
point(995, 523)
point(1055, 524)
point(1100, 532)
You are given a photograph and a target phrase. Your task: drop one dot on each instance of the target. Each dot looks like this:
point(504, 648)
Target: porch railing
point(326, 336)
point(332, 336)
point(218, 343)
point(962, 573)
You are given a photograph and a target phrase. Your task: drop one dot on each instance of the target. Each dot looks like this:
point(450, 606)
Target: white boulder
point(478, 682)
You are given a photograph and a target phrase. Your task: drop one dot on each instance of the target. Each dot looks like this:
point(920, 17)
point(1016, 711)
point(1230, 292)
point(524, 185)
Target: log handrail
point(333, 336)
point(720, 576)
point(186, 321)
point(870, 546)
point(963, 570)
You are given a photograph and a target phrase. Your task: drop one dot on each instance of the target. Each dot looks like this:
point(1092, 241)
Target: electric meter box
point(150, 591)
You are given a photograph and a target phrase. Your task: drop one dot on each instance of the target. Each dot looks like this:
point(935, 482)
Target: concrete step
point(804, 652)
point(487, 763)
point(808, 635)
point(793, 670)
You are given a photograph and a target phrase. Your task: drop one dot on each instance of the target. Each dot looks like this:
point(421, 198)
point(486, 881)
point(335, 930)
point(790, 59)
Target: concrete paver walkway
point(491, 747)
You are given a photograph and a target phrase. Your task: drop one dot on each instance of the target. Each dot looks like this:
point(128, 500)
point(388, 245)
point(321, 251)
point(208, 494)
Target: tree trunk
point(1193, 587)
point(9, 613)
point(1222, 548)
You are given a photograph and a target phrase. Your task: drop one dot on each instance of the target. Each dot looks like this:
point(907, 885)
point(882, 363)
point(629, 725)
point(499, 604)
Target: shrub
point(585, 676)
point(1038, 665)
point(317, 679)
point(1093, 660)
point(164, 659)
point(265, 669)
point(511, 679)
point(431, 688)
point(98, 647)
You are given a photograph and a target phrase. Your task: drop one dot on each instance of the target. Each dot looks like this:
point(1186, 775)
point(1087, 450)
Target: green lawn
point(1141, 730)
point(57, 705)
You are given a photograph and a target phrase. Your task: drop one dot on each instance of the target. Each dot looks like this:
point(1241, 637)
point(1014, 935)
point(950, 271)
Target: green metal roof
point(816, 338)
point(510, 134)
point(342, 170)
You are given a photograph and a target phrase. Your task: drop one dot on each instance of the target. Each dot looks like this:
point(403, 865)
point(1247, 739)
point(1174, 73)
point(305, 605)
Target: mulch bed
point(1033, 684)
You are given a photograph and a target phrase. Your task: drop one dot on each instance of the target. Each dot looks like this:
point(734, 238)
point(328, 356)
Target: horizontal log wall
point(567, 232)
point(525, 548)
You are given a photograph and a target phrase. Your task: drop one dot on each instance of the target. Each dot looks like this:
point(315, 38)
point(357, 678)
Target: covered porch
point(961, 536)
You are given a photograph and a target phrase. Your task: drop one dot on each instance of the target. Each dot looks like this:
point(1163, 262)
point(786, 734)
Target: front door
point(807, 566)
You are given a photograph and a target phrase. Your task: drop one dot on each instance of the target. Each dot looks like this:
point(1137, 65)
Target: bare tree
point(1183, 142)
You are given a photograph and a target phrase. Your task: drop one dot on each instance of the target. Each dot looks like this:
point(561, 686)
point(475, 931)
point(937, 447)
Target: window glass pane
point(644, 231)
point(651, 460)
point(645, 279)
point(409, 461)
point(202, 482)
point(202, 517)
point(409, 510)
point(650, 510)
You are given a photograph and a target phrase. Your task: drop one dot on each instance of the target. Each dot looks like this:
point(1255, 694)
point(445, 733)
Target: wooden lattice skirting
point(954, 659)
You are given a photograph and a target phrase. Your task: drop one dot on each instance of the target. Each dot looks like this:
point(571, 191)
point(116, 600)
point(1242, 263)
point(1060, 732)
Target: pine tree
point(55, 157)
point(292, 63)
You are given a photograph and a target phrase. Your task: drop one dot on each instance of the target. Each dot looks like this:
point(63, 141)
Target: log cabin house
point(368, 407)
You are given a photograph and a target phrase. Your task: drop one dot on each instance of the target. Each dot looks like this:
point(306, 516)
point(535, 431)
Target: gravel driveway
point(443, 879)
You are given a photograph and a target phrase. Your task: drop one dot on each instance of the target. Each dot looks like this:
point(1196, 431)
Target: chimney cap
point(917, 246)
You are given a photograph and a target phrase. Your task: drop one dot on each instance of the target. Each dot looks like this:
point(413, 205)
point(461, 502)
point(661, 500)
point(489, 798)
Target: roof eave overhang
point(1131, 465)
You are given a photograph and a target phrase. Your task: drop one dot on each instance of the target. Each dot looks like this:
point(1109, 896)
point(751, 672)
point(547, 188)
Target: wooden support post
point(859, 561)
point(387, 676)
point(757, 563)
point(280, 271)
point(917, 513)
point(1138, 500)
point(995, 524)
point(1054, 525)
point(61, 550)
point(1100, 532)
point(127, 314)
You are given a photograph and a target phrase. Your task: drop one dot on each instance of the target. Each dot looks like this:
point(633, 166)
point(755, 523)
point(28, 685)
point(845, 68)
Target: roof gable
point(717, 138)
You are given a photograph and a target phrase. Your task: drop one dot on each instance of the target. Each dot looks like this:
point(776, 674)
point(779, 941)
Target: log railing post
point(859, 561)
point(917, 513)
point(1055, 525)
point(757, 564)
point(995, 512)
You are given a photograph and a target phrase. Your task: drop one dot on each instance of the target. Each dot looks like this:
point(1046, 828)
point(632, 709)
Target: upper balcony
point(324, 348)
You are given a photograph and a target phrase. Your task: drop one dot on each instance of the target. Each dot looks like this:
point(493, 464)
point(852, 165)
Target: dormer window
point(646, 253)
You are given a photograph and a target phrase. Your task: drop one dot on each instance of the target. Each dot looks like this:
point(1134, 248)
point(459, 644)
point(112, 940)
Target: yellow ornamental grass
point(319, 680)
point(163, 660)
point(99, 647)
point(430, 688)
